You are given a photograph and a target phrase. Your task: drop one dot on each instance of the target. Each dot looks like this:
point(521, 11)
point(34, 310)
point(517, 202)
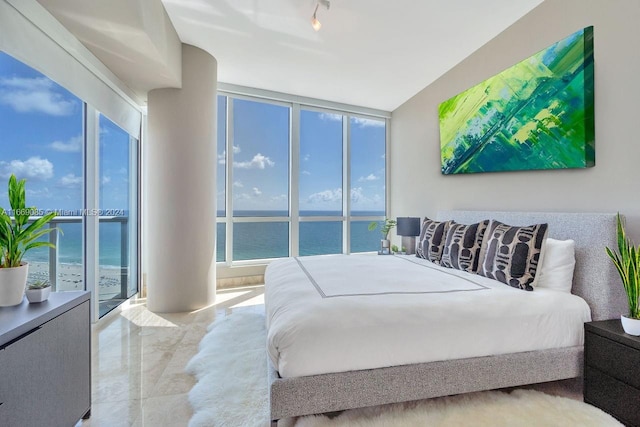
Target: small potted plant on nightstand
point(627, 262)
point(38, 291)
point(385, 228)
point(17, 236)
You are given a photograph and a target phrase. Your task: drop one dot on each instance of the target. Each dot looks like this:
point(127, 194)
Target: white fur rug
point(232, 392)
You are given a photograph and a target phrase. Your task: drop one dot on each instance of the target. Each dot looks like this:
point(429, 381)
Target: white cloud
point(70, 181)
point(34, 168)
point(357, 195)
point(326, 196)
point(73, 145)
point(256, 191)
point(370, 177)
point(306, 157)
point(27, 95)
point(331, 117)
point(363, 123)
point(43, 192)
point(258, 162)
point(336, 195)
point(222, 157)
point(105, 179)
point(238, 184)
point(305, 173)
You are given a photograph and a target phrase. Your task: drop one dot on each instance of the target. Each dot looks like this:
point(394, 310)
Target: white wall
point(417, 186)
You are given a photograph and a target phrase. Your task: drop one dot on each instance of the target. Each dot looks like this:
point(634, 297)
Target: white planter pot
point(12, 284)
point(38, 295)
point(385, 243)
point(630, 326)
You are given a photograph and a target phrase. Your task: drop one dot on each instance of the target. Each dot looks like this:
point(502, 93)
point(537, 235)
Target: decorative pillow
point(558, 264)
point(462, 246)
point(511, 254)
point(432, 237)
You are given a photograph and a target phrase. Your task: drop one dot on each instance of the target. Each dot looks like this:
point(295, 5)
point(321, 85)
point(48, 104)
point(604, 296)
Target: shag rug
point(232, 392)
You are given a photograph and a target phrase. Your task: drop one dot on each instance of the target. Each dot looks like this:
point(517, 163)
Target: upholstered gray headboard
point(595, 278)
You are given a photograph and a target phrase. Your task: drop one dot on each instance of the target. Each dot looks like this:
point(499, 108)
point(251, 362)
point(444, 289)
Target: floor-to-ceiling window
point(118, 228)
point(320, 183)
point(298, 179)
point(260, 179)
point(43, 140)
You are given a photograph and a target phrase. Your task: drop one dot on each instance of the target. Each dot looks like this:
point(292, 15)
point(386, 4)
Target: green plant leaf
point(627, 263)
point(17, 235)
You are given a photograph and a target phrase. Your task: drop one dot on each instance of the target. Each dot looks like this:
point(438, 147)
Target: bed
point(374, 366)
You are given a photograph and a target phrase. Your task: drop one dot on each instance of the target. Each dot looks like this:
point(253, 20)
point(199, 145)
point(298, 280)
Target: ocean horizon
point(252, 240)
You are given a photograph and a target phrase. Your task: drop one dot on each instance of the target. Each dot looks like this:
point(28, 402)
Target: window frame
point(296, 104)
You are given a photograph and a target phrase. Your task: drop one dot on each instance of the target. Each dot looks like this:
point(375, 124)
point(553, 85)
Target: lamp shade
point(408, 226)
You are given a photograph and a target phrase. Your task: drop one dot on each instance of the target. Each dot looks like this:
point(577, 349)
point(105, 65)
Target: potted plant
point(627, 262)
point(38, 291)
point(17, 236)
point(385, 228)
point(394, 249)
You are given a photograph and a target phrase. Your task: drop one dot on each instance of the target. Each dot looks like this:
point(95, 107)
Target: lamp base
point(409, 242)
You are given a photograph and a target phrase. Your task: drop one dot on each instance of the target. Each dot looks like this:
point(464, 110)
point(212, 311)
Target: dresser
point(45, 361)
point(612, 370)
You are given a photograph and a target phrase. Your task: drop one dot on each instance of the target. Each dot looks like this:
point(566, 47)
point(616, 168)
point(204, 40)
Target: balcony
point(63, 266)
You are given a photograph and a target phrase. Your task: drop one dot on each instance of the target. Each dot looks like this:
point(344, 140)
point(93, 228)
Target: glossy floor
point(139, 357)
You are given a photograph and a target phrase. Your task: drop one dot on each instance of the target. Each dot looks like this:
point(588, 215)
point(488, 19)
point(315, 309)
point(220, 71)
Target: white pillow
point(557, 265)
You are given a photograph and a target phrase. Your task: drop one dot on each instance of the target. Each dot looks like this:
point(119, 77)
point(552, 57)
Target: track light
point(314, 19)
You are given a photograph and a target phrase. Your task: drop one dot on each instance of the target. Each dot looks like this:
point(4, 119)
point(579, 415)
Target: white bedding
point(351, 312)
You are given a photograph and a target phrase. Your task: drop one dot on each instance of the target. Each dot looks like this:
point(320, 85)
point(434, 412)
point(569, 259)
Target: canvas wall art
point(537, 114)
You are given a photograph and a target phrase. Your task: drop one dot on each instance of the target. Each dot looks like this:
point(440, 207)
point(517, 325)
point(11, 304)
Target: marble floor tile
point(139, 357)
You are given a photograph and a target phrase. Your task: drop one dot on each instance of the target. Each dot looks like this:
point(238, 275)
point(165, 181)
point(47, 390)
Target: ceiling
point(370, 53)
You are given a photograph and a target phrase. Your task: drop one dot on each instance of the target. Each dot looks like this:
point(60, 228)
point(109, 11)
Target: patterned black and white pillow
point(462, 246)
point(512, 255)
point(432, 238)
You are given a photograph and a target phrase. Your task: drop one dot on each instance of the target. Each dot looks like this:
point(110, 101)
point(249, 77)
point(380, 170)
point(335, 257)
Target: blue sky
point(261, 159)
point(41, 140)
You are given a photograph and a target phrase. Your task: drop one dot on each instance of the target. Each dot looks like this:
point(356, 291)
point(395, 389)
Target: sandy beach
point(70, 277)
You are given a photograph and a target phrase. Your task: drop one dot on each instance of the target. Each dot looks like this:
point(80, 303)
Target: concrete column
point(181, 188)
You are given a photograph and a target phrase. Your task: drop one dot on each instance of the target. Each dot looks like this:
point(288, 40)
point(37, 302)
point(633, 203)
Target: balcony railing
point(124, 247)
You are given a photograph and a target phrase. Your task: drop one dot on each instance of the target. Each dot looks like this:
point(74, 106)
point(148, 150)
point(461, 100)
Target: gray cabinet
point(45, 362)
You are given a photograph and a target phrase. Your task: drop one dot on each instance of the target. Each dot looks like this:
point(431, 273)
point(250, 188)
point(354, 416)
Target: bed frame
point(595, 280)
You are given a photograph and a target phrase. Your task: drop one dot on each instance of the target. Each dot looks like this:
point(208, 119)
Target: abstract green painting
point(537, 114)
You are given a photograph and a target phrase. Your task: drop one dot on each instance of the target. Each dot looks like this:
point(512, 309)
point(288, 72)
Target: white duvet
point(351, 312)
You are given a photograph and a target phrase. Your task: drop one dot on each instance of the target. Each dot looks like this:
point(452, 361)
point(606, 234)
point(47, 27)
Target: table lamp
point(408, 228)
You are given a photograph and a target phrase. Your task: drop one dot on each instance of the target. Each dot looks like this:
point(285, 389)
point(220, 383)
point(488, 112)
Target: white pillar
point(181, 188)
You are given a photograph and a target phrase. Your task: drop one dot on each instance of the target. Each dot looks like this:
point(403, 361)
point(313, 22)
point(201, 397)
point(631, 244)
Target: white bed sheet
point(342, 313)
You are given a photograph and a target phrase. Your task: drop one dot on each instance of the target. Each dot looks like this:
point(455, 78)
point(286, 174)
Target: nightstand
point(612, 370)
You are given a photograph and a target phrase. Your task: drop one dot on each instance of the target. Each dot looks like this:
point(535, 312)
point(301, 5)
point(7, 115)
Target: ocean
point(70, 245)
point(252, 240)
point(259, 240)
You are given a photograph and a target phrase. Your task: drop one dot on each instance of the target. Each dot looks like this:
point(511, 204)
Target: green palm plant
point(17, 235)
point(627, 262)
point(385, 227)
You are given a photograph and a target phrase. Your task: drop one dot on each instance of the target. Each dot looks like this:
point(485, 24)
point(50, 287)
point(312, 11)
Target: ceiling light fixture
point(314, 19)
